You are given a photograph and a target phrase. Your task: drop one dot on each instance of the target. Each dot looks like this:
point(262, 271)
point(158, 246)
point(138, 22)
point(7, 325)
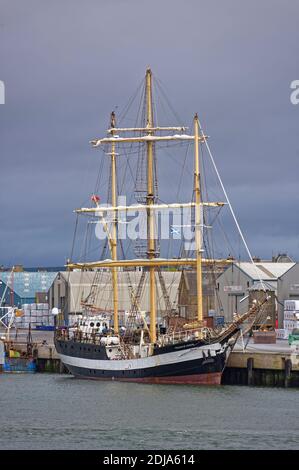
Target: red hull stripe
point(214, 378)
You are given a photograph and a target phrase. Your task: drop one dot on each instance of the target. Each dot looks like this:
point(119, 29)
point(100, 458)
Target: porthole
point(110, 350)
point(98, 324)
point(91, 324)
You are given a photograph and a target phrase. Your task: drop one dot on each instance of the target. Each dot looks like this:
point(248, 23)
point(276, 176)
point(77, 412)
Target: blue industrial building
point(23, 286)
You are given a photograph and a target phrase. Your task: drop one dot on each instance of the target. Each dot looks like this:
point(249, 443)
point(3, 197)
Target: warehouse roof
point(264, 285)
point(27, 284)
point(103, 277)
point(265, 271)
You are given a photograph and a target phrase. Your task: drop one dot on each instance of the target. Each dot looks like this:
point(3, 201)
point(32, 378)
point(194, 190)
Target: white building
point(234, 284)
point(69, 289)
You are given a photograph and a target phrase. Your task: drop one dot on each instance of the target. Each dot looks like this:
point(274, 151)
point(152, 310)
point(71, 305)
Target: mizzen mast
point(198, 233)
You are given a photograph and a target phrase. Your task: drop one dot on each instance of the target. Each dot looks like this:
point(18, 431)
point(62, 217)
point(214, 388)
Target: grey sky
point(66, 64)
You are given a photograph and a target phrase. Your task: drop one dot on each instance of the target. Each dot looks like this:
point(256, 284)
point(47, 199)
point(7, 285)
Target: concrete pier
point(273, 365)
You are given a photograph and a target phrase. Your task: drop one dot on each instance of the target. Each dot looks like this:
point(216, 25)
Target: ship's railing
point(78, 336)
point(186, 335)
point(191, 334)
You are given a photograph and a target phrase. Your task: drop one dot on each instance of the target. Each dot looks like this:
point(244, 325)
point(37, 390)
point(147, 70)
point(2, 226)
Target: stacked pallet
point(36, 315)
point(290, 319)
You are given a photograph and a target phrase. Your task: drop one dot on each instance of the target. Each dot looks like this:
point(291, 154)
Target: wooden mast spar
point(198, 223)
point(114, 230)
point(150, 201)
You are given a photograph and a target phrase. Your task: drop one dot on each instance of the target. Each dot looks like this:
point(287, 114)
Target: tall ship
point(145, 346)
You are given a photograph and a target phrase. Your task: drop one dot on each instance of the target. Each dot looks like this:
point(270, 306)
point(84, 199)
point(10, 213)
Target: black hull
point(182, 371)
point(192, 363)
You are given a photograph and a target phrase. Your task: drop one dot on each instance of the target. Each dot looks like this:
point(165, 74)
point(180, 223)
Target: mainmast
point(114, 227)
point(150, 201)
point(198, 233)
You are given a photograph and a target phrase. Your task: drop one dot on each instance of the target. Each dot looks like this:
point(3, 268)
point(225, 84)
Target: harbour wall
point(267, 369)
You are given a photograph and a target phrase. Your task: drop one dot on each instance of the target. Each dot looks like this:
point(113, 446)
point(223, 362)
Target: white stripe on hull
point(174, 357)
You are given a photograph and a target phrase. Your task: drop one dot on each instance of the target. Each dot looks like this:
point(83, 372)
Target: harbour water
point(49, 411)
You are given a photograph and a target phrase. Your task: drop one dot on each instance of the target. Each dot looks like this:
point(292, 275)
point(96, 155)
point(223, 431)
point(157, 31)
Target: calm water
point(59, 412)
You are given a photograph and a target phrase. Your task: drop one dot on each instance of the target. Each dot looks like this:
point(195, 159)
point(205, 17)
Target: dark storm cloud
point(67, 64)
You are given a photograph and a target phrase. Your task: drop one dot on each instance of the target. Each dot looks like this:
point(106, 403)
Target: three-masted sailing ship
point(96, 347)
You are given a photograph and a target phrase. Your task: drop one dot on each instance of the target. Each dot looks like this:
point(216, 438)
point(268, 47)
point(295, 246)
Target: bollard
point(287, 372)
point(250, 372)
